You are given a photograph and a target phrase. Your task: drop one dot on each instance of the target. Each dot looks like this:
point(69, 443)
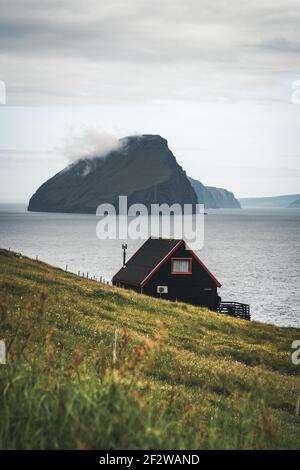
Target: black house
point(169, 269)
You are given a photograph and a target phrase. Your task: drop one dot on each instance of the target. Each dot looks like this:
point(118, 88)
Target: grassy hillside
point(181, 377)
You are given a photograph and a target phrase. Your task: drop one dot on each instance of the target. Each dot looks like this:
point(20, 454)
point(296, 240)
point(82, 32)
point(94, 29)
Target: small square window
point(181, 266)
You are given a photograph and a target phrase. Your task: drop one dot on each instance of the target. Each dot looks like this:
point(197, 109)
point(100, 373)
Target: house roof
point(148, 259)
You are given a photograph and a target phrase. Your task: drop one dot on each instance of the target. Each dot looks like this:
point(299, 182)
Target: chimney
point(124, 247)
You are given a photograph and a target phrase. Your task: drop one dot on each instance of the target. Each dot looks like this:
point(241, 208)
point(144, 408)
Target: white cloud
point(87, 144)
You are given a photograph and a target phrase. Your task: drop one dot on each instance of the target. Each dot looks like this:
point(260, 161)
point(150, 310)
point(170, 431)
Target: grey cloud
point(135, 49)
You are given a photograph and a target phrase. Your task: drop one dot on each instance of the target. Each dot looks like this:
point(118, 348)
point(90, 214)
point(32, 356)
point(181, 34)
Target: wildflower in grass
point(82, 446)
point(138, 354)
point(161, 334)
point(125, 335)
point(148, 343)
point(43, 297)
point(51, 351)
point(78, 357)
point(267, 425)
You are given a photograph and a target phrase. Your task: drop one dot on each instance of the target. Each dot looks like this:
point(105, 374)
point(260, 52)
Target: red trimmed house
point(169, 269)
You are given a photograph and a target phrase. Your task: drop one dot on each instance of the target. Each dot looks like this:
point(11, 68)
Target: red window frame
point(181, 259)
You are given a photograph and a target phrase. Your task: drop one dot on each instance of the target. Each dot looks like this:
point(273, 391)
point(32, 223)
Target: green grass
point(184, 377)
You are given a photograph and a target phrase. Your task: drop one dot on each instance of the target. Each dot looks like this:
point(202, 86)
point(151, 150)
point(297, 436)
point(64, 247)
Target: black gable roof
point(140, 265)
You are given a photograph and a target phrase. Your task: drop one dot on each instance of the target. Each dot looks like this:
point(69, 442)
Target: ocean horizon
point(253, 252)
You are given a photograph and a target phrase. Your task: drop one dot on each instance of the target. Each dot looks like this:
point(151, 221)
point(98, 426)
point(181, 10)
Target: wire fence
point(66, 268)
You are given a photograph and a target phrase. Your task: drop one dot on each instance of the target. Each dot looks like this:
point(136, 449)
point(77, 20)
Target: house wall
point(188, 288)
point(127, 286)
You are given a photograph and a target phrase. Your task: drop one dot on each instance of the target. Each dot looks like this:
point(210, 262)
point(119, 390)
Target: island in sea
point(142, 167)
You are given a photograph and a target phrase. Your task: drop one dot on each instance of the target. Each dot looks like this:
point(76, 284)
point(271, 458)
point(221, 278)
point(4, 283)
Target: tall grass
point(48, 407)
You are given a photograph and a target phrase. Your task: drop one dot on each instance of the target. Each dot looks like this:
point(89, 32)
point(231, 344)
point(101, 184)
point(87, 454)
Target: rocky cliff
point(214, 198)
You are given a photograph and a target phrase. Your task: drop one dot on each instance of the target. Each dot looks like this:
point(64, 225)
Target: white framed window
point(181, 266)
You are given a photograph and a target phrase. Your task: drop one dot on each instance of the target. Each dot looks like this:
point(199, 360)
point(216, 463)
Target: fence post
point(115, 347)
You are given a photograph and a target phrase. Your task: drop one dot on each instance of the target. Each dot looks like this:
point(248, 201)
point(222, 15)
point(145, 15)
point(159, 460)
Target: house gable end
point(181, 251)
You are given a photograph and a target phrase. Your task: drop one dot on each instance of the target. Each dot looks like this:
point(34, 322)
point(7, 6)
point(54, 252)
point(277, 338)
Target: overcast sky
point(214, 77)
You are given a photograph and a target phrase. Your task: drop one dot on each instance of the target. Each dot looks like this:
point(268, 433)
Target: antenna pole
point(124, 247)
